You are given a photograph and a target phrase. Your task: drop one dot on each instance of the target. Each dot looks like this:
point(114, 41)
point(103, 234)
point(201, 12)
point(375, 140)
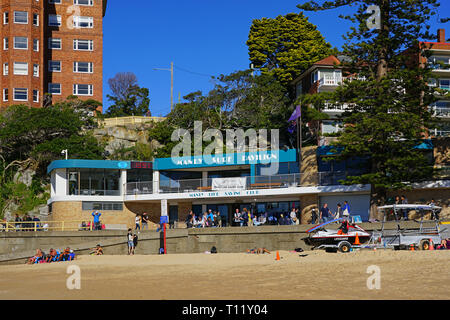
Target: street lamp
point(66, 152)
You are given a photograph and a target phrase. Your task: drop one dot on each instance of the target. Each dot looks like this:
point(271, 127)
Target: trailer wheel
point(344, 247)
point(424, 245)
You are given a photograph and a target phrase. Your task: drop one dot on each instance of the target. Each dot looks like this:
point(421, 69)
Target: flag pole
point(299, 137)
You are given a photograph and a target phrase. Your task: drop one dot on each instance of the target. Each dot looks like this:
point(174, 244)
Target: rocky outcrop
point(121, 137)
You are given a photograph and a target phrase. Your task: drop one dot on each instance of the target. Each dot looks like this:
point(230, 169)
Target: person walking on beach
point(339, 212)
point(325, 213)
point(144, 221)
point(137, 221)
point(130, 242)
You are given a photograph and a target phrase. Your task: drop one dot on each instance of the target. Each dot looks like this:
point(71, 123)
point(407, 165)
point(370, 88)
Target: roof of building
point(328, 61)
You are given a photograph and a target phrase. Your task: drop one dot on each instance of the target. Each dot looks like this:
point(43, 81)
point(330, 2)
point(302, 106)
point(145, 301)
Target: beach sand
point(319, 275)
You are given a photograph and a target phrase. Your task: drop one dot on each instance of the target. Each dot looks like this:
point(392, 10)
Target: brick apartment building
point(327, 74)
point(51, 47)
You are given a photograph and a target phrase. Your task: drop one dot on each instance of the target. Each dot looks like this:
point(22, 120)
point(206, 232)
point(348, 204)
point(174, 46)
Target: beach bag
point(346, 213)
point(213, 250)
point(161, 250)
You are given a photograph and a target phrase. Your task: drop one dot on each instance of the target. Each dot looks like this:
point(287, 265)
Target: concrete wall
point(15, 247)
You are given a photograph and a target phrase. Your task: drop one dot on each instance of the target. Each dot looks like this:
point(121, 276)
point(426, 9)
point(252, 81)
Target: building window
point(54, 88)
point(36, 44)
point(35, 70)
point(21, 17)
point(5, 95)
point(20, 94)
point(83, 67)
point(83, 45)
point(5, 69)
point(93, 182)
point(35, 19)
point(54, 20)
point(21, 43)
point(102, 206)
point(54, 66)
point(83, 2)
point(82, 89)
point(54, 1)
point(35, 95)
point(54, 44)
point(5, 17)
point(444, 84)
point(83, 22)
point(20, 68)
point(5, 44)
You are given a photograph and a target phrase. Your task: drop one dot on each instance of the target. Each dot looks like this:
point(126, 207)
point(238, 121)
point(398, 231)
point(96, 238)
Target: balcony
point(238, 183)
point(329, 81)
point(441, 112)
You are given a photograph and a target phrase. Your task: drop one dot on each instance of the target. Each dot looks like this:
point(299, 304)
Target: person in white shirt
point(137, 221)
point(293, 216)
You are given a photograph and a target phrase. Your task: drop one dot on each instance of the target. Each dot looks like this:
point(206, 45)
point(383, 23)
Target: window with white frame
point(35, 95)
point(82, 89)
point(83, 67)
point(36, 44)
point(5, 94)
point(54, 20)
point(54, 1)
point(5, 69)
point(54, 88)
point(21, 17)
point(20, 94)
point(54, 66)
point(54, 44)
point(83, 22)
point(83, 45)
point(5, 43)
point(83, 2)
point(35, 70)
point(5, 17)
point(36, 19)
point(21, 43)
point(20, 68)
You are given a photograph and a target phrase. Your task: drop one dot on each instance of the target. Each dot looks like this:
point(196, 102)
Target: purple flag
point(297, 114)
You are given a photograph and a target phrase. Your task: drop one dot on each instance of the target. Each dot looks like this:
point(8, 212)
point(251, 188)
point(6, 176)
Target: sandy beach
point(318, 275)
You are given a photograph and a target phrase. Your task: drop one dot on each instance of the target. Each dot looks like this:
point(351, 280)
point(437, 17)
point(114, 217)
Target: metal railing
point(441, 112)
point(36, 226)
point(94, 192)
point(121, 121)
point(240, 183)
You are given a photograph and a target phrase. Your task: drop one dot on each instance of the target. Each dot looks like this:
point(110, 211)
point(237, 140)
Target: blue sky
point(206, 37)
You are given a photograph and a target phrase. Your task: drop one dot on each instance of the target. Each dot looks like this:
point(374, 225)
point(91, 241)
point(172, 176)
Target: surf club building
point(172, 187)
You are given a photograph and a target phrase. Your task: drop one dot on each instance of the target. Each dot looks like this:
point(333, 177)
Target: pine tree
point(389, 104)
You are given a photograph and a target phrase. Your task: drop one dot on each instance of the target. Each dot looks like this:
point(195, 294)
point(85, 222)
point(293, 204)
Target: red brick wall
point(67, 78)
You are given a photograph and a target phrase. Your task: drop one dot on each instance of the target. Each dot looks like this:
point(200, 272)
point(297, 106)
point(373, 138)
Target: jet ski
point(323, 235)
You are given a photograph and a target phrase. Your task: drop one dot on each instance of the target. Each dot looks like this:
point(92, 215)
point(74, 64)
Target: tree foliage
point(389, 101)
point(286, 46)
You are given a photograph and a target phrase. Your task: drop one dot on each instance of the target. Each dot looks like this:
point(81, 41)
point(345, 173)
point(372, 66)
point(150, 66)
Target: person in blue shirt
point(346, 209)
point(325, 213)
point(96, 216)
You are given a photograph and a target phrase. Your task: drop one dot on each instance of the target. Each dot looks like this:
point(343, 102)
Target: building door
point(223, 209)
point(173, 213)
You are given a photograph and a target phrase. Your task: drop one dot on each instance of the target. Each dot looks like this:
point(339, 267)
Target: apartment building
point(327, 74)
point(51, 49)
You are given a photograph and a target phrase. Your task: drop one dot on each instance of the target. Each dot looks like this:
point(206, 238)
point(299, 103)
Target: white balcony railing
point(330, 81)
point(441, 112)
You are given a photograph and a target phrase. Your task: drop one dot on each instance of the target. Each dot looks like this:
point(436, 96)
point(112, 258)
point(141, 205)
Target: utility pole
point(171, 82)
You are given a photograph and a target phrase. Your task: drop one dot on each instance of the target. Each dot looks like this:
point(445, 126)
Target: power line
point(193, 72)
